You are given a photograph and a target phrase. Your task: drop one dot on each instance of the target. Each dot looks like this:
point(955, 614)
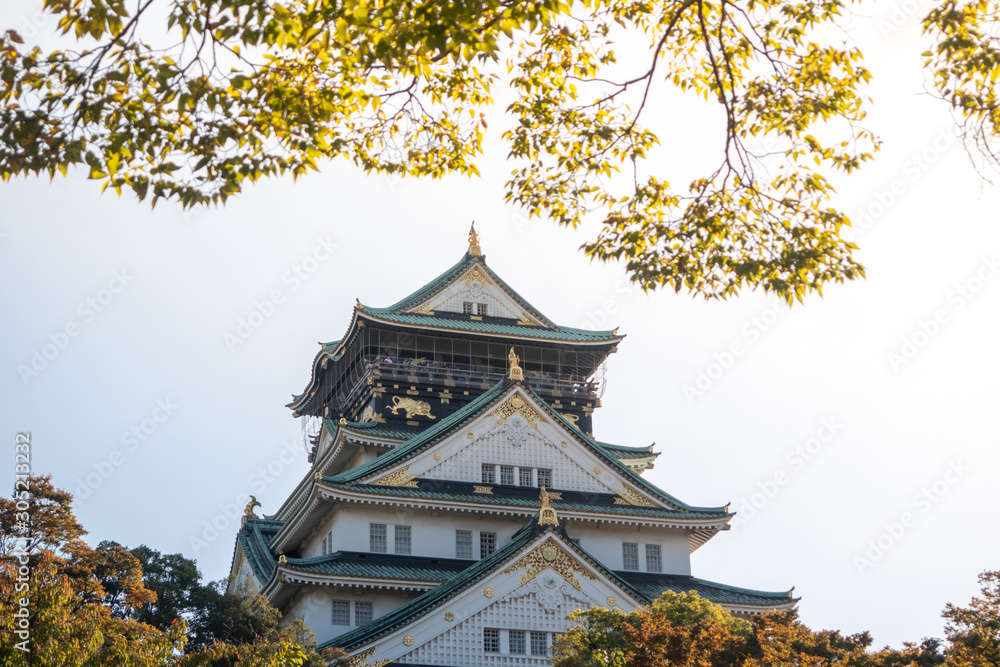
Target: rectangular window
point(341, 612)
point(362, 613)
point(545, 478)
point(326, 549)
point(507, 475)
point(467, 307)
point(526, 476)
point(480, 309)
point(377, 538)
point(487, 544)
point(491, 640)
point(489, 473)
point(630, 556)
point(654, 561)
point(539, 643)
point(517, 642)
point(463, 544)
point(404, 539)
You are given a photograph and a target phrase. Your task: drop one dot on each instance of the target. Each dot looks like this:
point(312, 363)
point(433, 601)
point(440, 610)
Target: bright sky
point(860, 480)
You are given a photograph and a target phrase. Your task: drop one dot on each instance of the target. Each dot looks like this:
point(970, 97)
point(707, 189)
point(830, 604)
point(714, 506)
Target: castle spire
point(474, 248)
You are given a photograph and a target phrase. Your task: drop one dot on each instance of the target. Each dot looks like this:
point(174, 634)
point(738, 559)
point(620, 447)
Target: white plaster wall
point(315, 607)
point(605, 544)
point(431, 536)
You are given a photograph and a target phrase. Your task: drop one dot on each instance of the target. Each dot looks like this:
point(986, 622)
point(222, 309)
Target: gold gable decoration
point(627, 496)
point(400, 478)
point(361, 659)
point(550, 555)
point(546, 515)
point(476, 275)
point(516, 406)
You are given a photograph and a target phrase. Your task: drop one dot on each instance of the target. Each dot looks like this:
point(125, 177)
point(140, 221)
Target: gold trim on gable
point(550, 555)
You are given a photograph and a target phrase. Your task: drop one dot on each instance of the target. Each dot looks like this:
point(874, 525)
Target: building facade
point(458, 507)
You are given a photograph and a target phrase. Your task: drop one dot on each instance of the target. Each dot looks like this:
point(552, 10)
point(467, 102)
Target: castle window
point(463, 544)
point(491, 640)
point(539, 643)
point(654, 560)
point(489, 473)
point(545, 477)
point(507, 475)
point(526, 476)
point(467, 307)
point(326, 546)
point(480, 309)
point(341, 612)
point(487, 544)
point(377, 538)
point(517, 642)
point(630, 556)
point(362, 613)
point(404, 539)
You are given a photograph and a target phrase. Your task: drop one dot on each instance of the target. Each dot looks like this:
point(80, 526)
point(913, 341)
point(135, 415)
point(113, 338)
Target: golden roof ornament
point(248, 511)
point(474, 248)
point(515, 373)
point(546, 515)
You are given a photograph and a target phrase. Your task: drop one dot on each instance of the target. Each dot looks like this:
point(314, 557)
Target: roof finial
point(515, 373)
point(546, 515)
point(474, 248)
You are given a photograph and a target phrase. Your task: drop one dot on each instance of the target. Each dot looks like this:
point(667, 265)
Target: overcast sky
point(862, 479)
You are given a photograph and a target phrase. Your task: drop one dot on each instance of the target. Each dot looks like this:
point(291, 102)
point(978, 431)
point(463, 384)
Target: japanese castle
point(459, 507)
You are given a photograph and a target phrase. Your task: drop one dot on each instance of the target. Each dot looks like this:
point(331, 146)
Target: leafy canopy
point(235, 90)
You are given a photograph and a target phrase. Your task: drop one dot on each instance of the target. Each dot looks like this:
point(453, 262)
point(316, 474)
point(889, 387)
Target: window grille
point(491, 640)
point(539, 643)
point(481, 309)
point(507, 475)
point(404, 540)
point(517, 642)
point(526, 478)
point(487, 544)
point(630, 556)
point(362, 613)
point(489, 473)
point(341, 612)
point(654, 560)
point(377, 538)
point(467, 307)
point(463, 544)
point(545, 478)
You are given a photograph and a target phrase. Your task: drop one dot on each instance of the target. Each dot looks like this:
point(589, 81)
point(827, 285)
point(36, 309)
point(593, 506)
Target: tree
point(236, 90)
point(974, 631)
point(84, 605)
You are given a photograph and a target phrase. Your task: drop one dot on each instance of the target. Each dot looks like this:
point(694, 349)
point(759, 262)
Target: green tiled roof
point(626, 452)
point(446, 278)
point(529, 503)
point(375, 429)
point(381, 566)
point(483, 402)
point(253, 537)
point(651, 586)
point(568, 334)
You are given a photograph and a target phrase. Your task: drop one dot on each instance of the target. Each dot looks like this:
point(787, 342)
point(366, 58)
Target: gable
point(475, 285)
point(517, 432)
point(532, 590)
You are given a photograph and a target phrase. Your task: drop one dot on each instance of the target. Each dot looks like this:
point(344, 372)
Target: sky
point(853, 434)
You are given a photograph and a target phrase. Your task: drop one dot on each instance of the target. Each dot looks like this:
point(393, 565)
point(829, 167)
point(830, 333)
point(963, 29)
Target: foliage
point(974, 631)
point(236, 90)
point(88, 607)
